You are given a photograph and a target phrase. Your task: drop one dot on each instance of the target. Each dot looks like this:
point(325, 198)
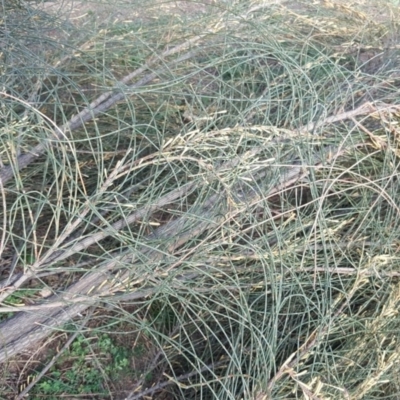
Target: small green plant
point(19, 297)
point(85, 368)
point(16, 299)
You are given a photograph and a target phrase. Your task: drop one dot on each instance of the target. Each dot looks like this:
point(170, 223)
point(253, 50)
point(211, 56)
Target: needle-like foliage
point(222, 177)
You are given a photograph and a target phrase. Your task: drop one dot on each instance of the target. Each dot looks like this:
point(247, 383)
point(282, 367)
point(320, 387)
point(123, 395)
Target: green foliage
point(23, 295)
point(18, 298)
point(86, 368)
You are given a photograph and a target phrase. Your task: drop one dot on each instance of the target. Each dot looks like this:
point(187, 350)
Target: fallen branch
point(100, 105)
point(54, 254)
point(12, 343)
point(35, 326)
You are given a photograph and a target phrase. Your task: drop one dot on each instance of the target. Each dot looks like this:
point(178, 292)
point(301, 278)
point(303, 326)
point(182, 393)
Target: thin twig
point(180, 378)
point(308, 345)
point(366, 108)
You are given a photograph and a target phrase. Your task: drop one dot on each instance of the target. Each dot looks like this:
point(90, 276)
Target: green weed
point(86, 368)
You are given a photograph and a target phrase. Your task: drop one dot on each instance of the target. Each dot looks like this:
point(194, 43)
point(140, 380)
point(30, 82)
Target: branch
point(101, 104)
point(26, 329)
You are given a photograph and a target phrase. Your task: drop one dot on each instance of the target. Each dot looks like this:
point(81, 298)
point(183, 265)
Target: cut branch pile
point(249, 184)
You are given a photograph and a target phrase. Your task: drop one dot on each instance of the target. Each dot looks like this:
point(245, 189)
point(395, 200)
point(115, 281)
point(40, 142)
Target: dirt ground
point(78, 12)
